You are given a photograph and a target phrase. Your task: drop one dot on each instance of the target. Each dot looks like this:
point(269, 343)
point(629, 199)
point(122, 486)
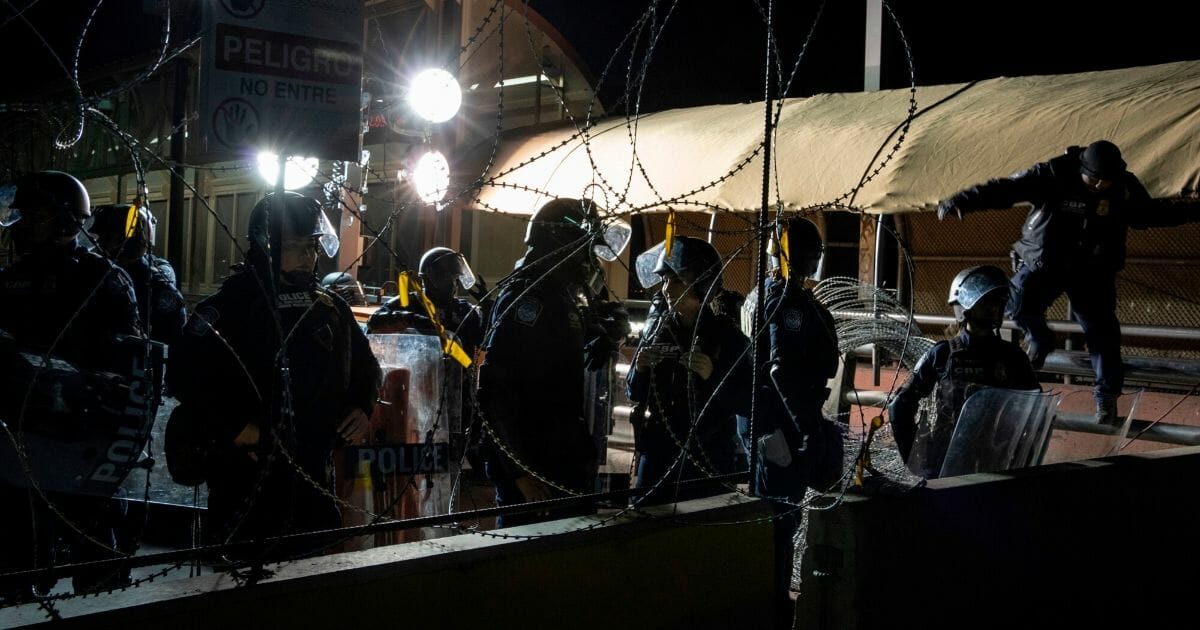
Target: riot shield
point(597, 390)
point(1000, 429)
point(406, 469)
point(73, 430)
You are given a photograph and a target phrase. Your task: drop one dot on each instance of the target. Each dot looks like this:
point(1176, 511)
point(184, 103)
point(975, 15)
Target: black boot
point(1106, 411)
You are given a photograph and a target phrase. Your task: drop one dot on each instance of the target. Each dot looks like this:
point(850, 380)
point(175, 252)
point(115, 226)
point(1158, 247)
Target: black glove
point(383, 322)
point(479, 290)
point(947, 208)
point(597, 352)
point(614, 319)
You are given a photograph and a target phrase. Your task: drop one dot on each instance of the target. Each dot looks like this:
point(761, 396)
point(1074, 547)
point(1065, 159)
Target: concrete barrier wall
point(1096, 542)
point(705, 565)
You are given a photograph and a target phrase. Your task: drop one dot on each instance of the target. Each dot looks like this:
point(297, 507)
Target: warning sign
point(283, 76)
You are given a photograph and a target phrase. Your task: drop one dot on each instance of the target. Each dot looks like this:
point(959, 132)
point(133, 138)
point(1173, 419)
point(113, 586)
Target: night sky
point(713, 51)
point(710, 56)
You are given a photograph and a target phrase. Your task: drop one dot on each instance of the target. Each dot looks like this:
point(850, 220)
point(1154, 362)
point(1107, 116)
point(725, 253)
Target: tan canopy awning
point(710, 157)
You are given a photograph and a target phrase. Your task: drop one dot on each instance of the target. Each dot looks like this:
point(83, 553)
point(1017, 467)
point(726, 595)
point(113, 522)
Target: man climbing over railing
point(1073, 242)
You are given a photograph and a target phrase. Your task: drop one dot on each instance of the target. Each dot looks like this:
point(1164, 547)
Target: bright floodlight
point(434, 95)
point(431, 177)
point(299, 172)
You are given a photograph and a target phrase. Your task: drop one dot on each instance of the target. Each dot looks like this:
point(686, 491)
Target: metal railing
point(1178, 434)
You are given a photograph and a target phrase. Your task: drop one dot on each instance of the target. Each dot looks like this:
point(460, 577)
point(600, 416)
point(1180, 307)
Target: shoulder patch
point(527, 311)
point(167, 300)
point(792, 319)
point(202, 320)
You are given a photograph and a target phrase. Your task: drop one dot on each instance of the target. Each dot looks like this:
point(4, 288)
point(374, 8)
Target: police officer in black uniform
point(1074, 242)
point(125, 233)
point(59, 299)
point(273, 418)
point(442, 272)
point(692, 372)
point(546, 327)
point(976, 356)
point(795, 451)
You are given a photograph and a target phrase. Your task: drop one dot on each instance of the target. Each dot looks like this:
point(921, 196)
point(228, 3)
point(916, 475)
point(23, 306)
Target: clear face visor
point(613, 239)
point(326, 235)
point(151, 225)
point(462, 272)
point(646, 266)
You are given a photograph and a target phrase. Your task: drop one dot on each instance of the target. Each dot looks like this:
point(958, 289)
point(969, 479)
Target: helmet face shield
point(647, 266)
point(693, 260)
point(290, 216)
point(458, 268)
point(614, 237)
point(441, 268)
point(326, 235)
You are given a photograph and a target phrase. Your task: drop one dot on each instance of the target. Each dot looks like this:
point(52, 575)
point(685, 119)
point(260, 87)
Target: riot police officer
point(1073, 242)
point(57, 299)
point(691, 370)
point(442, 272)
point(125, 233)
point(795, 450)
point(546, 326)
point(976, 356)
point(278, 372)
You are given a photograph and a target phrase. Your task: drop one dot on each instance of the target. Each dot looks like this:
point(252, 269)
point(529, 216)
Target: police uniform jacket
point(227, 369)
point(967, 359)
point(531, 383)
point(160, 304)
point(1071, 227)
point(71, 291)
point(804, 347)
point(676, 398)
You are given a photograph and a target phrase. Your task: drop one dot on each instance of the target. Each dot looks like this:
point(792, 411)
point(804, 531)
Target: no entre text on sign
point(282, 75)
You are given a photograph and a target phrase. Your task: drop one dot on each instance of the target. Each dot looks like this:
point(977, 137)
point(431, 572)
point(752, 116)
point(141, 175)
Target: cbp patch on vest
point(528, 311)
point(792, 319)
point(202, 320)
point(1102, 208)
point(1001, 373)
